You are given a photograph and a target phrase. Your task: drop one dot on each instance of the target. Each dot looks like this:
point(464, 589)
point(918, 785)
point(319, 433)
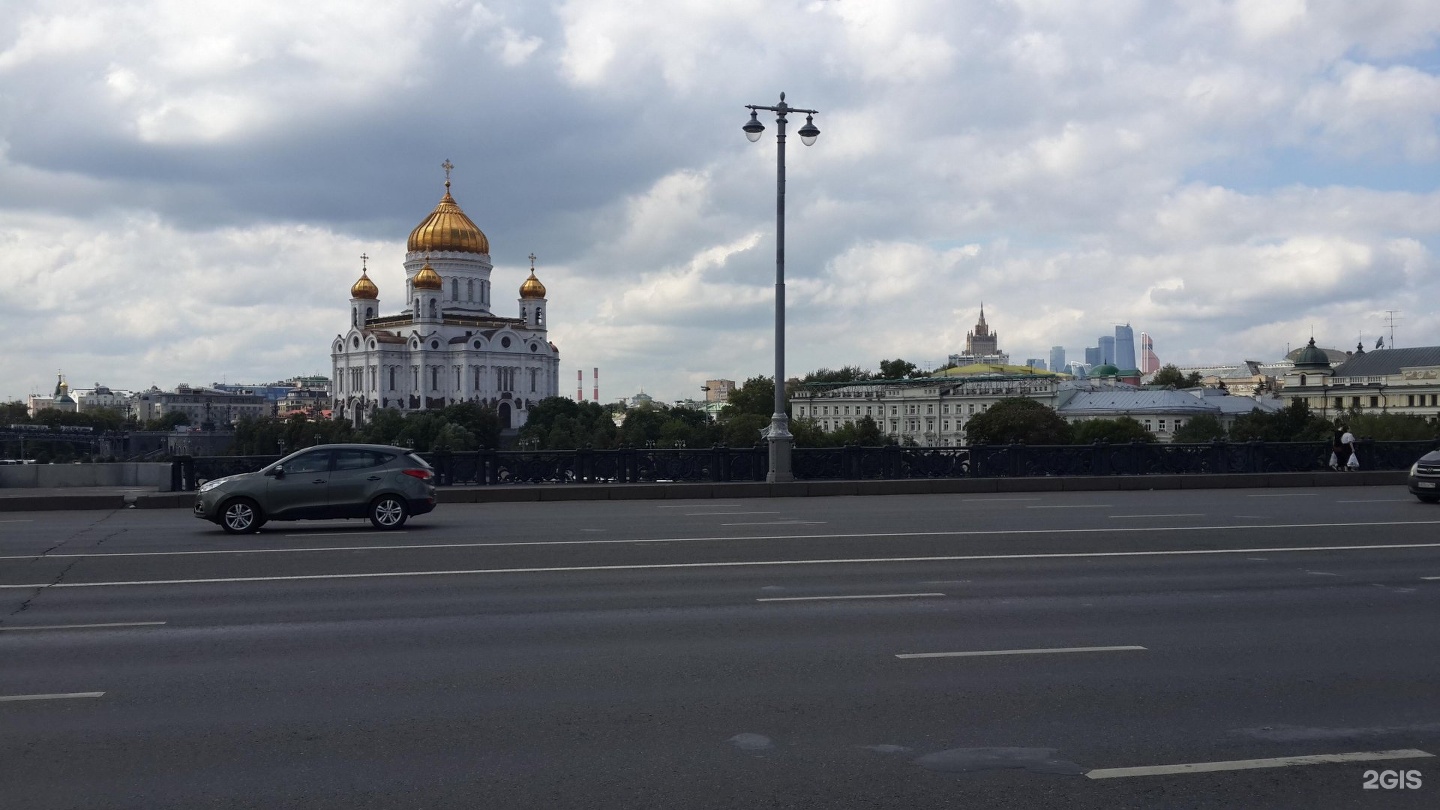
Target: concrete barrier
point(119, 474)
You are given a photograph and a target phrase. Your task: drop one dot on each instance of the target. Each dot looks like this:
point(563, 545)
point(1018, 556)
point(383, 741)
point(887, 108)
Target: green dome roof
point(1312, 356)
point(1104, 370)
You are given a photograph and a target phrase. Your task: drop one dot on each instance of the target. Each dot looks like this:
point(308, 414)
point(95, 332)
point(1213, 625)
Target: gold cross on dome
point(532, 261)
point(363, 259)
point(447, 166)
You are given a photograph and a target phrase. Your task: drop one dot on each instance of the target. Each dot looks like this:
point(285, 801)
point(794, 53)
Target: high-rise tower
point(1124, 347)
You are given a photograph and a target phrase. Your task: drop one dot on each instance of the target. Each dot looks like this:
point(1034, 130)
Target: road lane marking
point(1074, 506)
point(998, 500)
point(703, 514)
point(1378, 500)
point(344, 534)
point(736, 564)
point(101, 626)
point(17, 521)
point(1248, 764)
point(1191, 514)
point(862, 596)
point(1039, 651)
point(1109, 530)
point(1430, 578)
point(59, 696)
point(780, 523)
point(695, 506)
point(1280, 495)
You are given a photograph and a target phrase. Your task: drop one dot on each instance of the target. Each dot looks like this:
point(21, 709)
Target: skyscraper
point(1107, 350)
point(1149, 363)
point(1092, 355)
point(1057, 358)
point(1124, 347)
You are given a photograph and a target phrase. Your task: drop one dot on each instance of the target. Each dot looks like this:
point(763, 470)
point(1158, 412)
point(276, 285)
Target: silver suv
point(385, 484)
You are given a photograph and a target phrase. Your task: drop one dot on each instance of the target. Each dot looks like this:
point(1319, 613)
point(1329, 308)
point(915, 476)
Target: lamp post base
point(781, 442)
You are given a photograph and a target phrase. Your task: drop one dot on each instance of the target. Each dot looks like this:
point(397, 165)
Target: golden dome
point(532, 288)
point(427, 278)
point(447, 228)
point(365, 288)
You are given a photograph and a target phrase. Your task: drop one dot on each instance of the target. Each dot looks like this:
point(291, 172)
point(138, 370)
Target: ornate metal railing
point(718, 464)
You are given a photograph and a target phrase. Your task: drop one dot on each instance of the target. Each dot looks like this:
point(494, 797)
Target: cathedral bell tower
point(532, 301)
point(364, 298)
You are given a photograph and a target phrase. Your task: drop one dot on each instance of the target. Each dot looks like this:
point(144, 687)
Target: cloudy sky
point(186, 186)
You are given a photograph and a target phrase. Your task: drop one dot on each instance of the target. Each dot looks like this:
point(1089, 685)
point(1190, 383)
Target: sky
point(186, 187)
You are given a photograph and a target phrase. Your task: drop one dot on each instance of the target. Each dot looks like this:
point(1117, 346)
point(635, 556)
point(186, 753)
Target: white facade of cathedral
point(446, 346)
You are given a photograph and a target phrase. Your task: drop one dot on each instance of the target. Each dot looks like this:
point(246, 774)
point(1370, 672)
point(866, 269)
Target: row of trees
point(101, 419)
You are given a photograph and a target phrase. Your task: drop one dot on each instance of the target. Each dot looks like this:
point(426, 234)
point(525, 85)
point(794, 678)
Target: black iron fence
point(719, 464)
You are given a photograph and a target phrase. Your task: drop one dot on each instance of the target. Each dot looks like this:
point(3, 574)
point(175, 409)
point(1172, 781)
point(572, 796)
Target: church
point(446, 346)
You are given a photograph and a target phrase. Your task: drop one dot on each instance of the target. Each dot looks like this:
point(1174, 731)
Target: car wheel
point(240, 516)
point(388, 512)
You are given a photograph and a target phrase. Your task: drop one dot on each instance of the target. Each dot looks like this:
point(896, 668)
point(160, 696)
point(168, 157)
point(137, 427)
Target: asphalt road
point(746, 653)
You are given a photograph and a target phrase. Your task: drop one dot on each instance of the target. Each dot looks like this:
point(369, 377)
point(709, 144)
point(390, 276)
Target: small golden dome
point(365, 288)
point(532, 288)
point(447, 228)
point(427, 278)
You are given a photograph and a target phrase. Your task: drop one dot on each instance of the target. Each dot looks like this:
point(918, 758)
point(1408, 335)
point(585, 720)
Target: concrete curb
point(50, 501)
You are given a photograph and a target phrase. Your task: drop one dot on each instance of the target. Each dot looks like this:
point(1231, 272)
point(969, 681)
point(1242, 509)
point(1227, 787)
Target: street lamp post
point(780, 439)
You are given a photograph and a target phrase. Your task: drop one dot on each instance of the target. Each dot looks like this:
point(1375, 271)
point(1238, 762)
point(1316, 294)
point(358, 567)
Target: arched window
point(369, 312)
point(470, 290)
point(1302, 379)
point(454, 289)
point(434, 310)
point(392, 378)
point(355, 319)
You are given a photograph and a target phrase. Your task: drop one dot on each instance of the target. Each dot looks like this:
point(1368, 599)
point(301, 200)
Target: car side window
point(359, 459)
point(318, 461)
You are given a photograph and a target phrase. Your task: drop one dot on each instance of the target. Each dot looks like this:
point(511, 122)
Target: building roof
point(1385, 362)
point(997, 369)
point(1114, 401)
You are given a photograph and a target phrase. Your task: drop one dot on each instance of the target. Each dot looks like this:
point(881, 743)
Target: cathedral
point(446, 346)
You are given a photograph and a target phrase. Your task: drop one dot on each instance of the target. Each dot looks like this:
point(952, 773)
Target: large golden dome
point(365, 288)
point(447, 228)
point(532, 288)
point(427, 278)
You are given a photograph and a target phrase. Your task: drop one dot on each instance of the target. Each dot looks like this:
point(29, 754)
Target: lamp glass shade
point(809, 132)
point(753, 128)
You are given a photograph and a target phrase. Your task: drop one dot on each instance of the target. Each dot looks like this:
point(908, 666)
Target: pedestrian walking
point(1348, 459)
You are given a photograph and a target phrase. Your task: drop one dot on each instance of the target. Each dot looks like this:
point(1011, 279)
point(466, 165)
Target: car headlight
point(209, 485)
point(1415, 468)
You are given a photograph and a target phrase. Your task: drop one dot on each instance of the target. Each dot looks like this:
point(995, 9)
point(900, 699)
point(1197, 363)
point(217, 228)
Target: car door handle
point(373, 478)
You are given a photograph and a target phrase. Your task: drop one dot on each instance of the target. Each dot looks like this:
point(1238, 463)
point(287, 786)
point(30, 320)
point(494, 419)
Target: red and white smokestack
point(579, 385)
point(597, 384)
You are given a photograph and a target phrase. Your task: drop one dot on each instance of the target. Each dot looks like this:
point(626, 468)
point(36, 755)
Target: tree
point(1115, 431)
point(756, 397)
point(1293, 423)
point(898, 369)
point(1203, 428)
point(842, 375)
point(14, 412)
point(1018, 419)
point(1392, 427)
point(1172, 376)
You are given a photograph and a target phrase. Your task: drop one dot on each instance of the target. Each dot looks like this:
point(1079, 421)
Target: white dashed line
point(59, 696)
point(864, 596)
point(1248, 764)
point(1192, 514)
point(103, 626)
point(1041, 651)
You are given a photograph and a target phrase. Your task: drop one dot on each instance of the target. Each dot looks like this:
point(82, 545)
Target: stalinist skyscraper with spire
point(982, 345)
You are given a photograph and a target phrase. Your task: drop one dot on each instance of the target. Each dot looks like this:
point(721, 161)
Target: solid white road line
point(995, 500)
point(696, 505)
point(739, 564)
point(1379, 500)
point(704, 514)
point(1280, 495)
point(102, 626)
point(1108, 530)
point(780, 523)
point(343, 534)
point(1075, 506)
point(1192, 514)
point(60, 696)
point(863, 596)
point(1042, 651)
point(1248, 764)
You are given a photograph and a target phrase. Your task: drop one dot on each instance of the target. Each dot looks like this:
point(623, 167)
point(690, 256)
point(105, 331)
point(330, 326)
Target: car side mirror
point(278, 472)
